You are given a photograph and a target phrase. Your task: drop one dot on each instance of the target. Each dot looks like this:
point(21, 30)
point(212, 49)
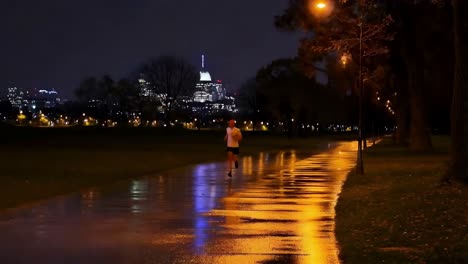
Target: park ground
point(398, 212)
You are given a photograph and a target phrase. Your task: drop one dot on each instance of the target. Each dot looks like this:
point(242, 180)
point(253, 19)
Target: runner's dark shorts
point(234, 151)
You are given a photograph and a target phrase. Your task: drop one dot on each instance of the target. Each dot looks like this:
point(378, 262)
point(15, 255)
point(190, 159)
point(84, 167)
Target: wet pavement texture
point(277, 208)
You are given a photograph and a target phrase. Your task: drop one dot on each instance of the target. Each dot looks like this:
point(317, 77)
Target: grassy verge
point(399, 213)
point(39, 163)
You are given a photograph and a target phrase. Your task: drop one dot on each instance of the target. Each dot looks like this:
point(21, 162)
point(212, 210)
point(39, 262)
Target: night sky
point(56, 43)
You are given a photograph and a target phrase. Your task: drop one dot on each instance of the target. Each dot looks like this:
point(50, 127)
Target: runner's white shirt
point(232, 142)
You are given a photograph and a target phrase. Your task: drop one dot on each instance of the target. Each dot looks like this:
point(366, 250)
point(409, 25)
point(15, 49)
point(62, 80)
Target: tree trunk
point(420, 139)
point(364, 121)
point(457, 166)
point(402, 131)
point(402, 116)
point(413, 56)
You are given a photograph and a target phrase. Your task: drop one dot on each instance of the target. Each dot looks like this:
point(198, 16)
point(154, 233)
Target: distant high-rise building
point(206, 89)
point(36, 100)
point(33, 99)
point(145, 89)
point(48, 98)
point(15, 96)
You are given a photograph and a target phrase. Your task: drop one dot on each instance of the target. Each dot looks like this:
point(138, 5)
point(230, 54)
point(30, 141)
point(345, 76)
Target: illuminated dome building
point(207, 90)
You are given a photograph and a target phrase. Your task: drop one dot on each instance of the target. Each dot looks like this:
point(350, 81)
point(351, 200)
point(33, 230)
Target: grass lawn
point(399, 213)
point(39, 163)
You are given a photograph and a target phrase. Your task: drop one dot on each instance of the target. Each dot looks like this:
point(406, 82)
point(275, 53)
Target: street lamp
point(321, 8)
point(321, 5)
point(360, 162)
point(344, 60)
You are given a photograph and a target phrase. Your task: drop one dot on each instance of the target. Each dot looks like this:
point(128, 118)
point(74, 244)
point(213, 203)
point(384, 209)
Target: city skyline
point(204, 76)
point(56, 45)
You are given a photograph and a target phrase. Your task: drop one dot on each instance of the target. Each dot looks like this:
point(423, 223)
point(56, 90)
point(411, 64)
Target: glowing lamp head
point(320, 8)
point(321, 5)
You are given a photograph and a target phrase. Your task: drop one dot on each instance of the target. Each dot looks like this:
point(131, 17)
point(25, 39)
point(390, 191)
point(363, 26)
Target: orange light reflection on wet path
point(288, 213)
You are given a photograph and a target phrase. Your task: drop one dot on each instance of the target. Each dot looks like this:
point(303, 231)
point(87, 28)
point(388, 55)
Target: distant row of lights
point(387, 103)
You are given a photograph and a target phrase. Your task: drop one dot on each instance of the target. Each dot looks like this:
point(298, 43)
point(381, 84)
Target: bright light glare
point(320, 8)
point(345, 58)
point(321, 5)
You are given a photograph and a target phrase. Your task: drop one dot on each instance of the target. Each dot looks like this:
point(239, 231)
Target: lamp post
point(323, 8)
point(360, 162)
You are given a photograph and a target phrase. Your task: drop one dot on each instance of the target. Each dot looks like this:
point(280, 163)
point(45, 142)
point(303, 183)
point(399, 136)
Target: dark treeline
point(153, 92)
point(279, 96)
point(281, 91)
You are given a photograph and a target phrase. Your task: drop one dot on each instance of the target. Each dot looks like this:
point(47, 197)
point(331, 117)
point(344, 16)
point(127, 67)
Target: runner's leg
point(229, 160)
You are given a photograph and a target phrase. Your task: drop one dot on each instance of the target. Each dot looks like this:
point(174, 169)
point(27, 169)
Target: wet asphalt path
point(277, 208)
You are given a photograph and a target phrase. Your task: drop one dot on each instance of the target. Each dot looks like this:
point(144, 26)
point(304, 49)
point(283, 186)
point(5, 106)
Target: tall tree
point(107, 94)
point(87, 89)
point(275, 84)
point(247, 97)
point(296, 99)
point(411, 37)
point(100, 94)
point(458, 163)
point(6, 109)
point(458, 166)
point(170, 78)
point(127, 96)
point(251, 102)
